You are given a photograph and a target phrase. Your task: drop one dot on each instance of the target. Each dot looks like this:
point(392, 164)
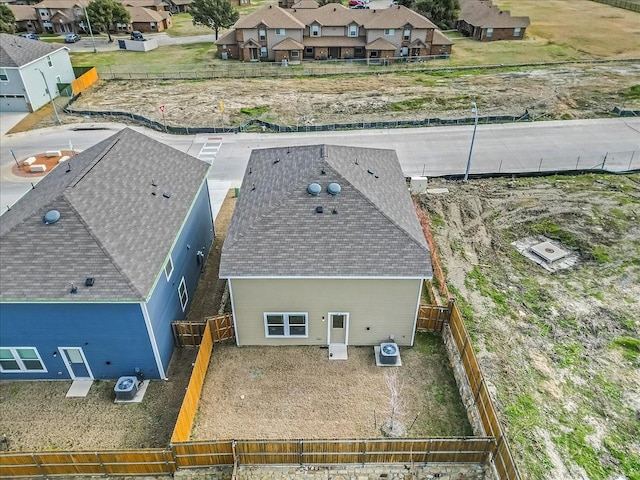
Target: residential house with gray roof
point(332, 31)
point(29, 71)
point(99, 258)
point(481, 20)
point(26, 18)
point(324, 248)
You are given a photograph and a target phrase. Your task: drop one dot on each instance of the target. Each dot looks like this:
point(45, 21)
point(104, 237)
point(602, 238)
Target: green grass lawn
point(163, 58)
point(183, 26)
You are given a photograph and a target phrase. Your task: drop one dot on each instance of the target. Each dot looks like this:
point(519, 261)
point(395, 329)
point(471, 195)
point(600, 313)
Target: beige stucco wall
point(377, 308)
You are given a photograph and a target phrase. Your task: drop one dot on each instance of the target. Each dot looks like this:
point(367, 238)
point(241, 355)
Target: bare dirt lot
point(297, 392)
point(564, 92)
point(561, 351)
point(36, 416)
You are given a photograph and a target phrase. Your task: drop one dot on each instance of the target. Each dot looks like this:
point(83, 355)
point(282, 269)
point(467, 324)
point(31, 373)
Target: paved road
point(434, 151)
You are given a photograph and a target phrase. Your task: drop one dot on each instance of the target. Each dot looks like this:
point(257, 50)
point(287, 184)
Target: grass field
point(183, 26)
point(605, 32)
point(593, 29)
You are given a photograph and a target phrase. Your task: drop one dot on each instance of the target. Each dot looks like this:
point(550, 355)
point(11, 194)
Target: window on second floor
point(407, 34)
point(389, 31)
point(353, 30)
point(280, 31)
point(3, 75)
point(315, 30)
point(49, 62)
point(262, 34)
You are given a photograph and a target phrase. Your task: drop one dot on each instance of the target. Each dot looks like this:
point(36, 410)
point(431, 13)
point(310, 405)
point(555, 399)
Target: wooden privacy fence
point(189, 407)
point(431, 318)
point(190, 334)
point(334, 452)
point(65, 464)
point(503, 460)
point(435, 258)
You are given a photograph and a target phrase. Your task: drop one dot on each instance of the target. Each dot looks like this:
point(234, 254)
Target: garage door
point(13, 103)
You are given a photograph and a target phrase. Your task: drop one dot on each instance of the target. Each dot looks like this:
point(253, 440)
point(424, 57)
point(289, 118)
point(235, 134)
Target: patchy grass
point(255, 111)
point(605, 31)
point(161, 58)
point(561, 349)
point(183, 26)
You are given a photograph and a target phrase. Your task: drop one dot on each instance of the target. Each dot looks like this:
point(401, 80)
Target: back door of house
point(76, 362)
point(338, 327)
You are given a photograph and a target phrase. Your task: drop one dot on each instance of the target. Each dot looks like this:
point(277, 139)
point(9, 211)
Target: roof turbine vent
point(334, 188)
point(52, 216)
point(314, 189)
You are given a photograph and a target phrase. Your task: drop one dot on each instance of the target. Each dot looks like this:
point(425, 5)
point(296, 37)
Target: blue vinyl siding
point(164, 304)
point(113, 337)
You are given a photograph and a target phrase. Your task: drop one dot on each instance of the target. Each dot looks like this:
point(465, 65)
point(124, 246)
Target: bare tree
point(397, 406)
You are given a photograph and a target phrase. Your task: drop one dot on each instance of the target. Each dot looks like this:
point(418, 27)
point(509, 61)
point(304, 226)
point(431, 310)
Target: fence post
point(104, 469)
point(364, 452)
point(166, 460)
point(35, 460)
point(300, 441)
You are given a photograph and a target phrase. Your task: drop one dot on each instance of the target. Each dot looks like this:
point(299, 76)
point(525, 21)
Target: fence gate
point(189, 334)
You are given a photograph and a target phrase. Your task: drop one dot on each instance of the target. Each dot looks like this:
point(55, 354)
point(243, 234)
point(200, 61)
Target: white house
point(28, 68)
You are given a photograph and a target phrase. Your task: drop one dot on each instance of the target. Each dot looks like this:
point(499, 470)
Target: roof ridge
point(375, 205)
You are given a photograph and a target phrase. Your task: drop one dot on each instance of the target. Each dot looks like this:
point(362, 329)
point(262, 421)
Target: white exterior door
point(338, 328)
point(76, 363)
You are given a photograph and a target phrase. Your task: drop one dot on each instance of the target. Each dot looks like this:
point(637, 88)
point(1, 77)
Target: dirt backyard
point(297, 392)
point(560, 351)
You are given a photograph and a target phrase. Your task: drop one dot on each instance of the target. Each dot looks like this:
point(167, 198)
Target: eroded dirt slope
point(560, 350)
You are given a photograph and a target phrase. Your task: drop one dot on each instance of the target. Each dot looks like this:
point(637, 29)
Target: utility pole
point(93, 40)
point(473, 137)
point(46, 86)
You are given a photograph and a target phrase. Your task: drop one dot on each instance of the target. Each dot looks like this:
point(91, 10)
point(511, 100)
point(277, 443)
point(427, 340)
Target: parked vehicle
point(355, 3)
point(137, 35)
point(30, 36)
point(71, 38)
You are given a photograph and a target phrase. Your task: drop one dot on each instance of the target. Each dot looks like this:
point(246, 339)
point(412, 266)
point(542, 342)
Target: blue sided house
point(99, 258)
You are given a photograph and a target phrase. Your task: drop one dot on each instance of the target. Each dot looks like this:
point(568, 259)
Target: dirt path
point(209, 293)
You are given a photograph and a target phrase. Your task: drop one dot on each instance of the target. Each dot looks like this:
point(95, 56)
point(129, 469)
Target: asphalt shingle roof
point(270, 15)
point(17, 51)
point(482, 13)
point(276, 232)
point(111, 226)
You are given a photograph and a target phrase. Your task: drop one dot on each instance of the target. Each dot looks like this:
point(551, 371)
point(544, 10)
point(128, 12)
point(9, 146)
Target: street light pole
point(46, 85)
point(473, 137)
point(93, 40)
